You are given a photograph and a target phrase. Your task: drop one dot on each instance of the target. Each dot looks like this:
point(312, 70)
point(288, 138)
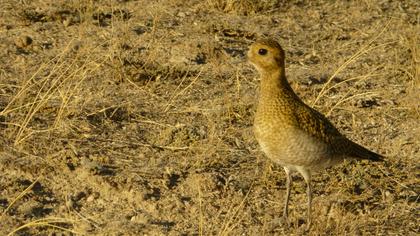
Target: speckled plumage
point(290, 132)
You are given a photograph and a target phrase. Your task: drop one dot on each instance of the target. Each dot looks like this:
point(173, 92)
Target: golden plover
point(290, 132)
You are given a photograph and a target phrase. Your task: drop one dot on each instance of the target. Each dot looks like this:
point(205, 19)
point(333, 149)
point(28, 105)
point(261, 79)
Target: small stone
point(23, 41)
point(92, 197)
point(141, 219)
point(67, 21)
point(70, 204)
point(181, 14)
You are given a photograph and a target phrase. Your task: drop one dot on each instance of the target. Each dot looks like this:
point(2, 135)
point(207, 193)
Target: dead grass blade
point(344, 99)
point(47, 222)
point(175, 95)
point(363, 50)
point(63, 81)
point(234, 220)
point(23, 193)
point(200, 202)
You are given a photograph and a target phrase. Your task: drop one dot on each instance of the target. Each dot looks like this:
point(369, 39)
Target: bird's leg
point(309, 193)
point(307, 176)
point(286, 201)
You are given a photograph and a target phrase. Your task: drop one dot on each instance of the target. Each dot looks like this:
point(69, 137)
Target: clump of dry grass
point(55, 223)
point(52, 91)
point(364, 49)
point(411, 42)
point(243, 7)
point(351, 94)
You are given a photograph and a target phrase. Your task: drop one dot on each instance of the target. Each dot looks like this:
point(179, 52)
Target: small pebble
point(92, 197)
point(67, 21)
point(23, 41)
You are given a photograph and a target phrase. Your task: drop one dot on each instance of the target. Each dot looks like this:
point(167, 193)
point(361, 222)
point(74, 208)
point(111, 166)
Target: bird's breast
point(286, 144)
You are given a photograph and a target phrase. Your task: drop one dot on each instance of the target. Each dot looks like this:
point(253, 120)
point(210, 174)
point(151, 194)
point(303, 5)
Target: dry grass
point(46, 223)
point(244, 7)
point(141, 121)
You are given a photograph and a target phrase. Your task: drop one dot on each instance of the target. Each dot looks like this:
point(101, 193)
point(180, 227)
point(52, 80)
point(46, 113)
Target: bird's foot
point(285, 221)
point(280, 223)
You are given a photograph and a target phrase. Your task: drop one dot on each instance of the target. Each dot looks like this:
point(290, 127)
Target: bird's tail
point(361, 152)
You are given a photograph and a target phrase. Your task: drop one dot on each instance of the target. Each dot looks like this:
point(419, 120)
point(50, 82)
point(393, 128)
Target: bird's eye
point(262, 51)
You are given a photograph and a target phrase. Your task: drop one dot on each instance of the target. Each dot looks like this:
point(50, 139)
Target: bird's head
point(266, 55)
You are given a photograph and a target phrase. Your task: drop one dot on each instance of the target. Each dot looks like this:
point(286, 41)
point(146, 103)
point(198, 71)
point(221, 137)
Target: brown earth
point(135, 118)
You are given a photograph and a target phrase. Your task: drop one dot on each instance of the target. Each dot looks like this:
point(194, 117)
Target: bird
point(290, 132)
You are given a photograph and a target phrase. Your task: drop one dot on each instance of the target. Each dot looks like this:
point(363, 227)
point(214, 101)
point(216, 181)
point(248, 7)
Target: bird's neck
point(275, 85)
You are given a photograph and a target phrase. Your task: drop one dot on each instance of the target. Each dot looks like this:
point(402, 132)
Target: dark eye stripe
point(262, 51)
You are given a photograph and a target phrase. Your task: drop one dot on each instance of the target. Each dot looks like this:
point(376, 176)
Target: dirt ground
point(135, 117)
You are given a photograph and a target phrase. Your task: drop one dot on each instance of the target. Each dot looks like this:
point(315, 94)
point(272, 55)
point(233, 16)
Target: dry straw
point(363, 50)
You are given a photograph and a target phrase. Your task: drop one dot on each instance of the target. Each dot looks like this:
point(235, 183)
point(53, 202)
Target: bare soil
point(135, 117)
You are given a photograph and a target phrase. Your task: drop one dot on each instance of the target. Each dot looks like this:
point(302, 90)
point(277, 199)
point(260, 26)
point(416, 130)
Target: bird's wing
point(317, 125)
